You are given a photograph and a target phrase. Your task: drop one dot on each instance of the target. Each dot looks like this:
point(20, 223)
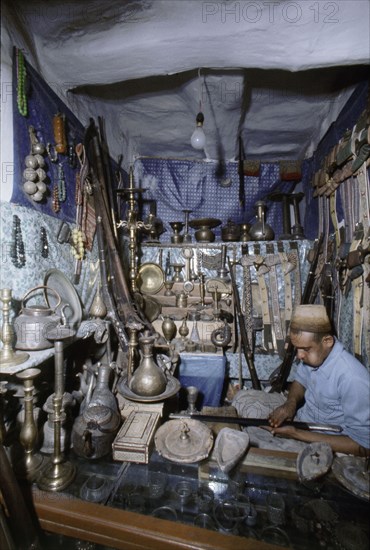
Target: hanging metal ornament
point(37, 148)
point(34, 173)
point(52, 154)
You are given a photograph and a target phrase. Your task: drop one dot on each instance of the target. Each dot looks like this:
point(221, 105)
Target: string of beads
point(17, 252)
point(78, 248)
point(44, 243)
point(21, 84)
point(61, 184)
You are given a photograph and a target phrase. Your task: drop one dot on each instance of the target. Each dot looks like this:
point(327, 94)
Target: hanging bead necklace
point(55, 201)
point(44, 243)
point(21, 84)
point(78, 248)
point(17, 252)
point(61, 184)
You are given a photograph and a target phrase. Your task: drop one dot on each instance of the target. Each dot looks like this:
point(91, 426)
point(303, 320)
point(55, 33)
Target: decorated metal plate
point(150, 278)
point(184, 441)
point(205, 222)
point(173, 386)
point(56, 280)
point(353, 473)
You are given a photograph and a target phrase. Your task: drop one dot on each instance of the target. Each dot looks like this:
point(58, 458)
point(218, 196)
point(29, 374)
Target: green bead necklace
point(21, 84)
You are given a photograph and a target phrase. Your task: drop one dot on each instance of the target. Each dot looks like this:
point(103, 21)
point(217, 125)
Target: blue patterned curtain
point(176, 185)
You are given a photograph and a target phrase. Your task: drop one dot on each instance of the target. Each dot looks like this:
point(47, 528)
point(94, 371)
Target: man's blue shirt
point(337, 392)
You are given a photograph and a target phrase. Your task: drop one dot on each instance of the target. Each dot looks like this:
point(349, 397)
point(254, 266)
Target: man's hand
point(282, 413)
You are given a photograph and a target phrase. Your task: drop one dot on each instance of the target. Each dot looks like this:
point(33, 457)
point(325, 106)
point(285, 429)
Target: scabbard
point(312, 426)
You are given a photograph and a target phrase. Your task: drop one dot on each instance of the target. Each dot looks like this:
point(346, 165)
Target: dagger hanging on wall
point(241, 174)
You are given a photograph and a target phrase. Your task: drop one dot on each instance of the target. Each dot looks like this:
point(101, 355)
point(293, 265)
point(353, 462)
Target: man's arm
point(338, 443)
point(288, 409)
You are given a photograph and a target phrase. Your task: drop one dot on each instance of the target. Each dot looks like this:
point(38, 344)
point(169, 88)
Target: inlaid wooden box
point(135, 439)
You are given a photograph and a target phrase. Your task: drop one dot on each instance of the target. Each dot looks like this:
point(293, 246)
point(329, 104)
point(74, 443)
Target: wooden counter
point(59, 513)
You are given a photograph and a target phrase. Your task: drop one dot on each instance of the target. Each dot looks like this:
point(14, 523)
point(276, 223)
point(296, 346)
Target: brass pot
point(34, 323)
point(230, 231)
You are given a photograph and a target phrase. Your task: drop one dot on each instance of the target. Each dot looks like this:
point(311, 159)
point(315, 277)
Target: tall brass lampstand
point(132, 225)
point(8, 357)
point(30, 465)
point(59, 472)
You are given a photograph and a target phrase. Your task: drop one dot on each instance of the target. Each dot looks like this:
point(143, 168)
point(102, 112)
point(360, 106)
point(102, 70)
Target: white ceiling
point(277, 72)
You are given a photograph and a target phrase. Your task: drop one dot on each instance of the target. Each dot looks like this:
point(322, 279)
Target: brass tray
point(56, 280)
point(150, 278)
point(205, 222)
point(173, 386)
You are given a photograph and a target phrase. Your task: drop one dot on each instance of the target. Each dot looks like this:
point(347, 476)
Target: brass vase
point(260, 230)
point(184, 329)
point(169, 328)
point(148, 379)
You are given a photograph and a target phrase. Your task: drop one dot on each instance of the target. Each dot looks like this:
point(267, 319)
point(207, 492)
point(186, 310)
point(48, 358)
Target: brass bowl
point(150, 278)
point(205, 222)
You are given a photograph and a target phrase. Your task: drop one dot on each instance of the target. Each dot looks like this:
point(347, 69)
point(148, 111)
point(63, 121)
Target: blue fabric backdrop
point(185, 184)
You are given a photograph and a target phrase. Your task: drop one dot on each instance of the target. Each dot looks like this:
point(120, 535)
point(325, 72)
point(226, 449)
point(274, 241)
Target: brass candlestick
point(176, 238)
point(177, 277)
point(284, 198)
point(8, 357)
point(133, 356)
point(187, 236)
point(168, 286)
point(132, 225)
point(297, 229)
point(30, 464)
point(59, 473)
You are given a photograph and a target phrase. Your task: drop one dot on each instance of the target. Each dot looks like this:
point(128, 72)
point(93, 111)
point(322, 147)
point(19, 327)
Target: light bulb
point(198, 138)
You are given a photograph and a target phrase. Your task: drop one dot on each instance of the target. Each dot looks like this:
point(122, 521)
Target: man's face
point(309, 351)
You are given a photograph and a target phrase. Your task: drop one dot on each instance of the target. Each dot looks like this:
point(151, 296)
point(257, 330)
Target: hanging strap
point(360, 306)
point(272, 260)
point(294, 258)
point(247, 295)
point(258, 262)
point(288, 264)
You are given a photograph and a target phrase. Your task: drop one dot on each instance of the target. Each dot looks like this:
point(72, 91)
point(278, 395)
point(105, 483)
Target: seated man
point(332, 385)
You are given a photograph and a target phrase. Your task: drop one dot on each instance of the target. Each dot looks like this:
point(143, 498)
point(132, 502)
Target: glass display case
point(260, 500)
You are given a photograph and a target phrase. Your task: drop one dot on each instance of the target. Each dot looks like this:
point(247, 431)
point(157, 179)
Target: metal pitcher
point(33, 323)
